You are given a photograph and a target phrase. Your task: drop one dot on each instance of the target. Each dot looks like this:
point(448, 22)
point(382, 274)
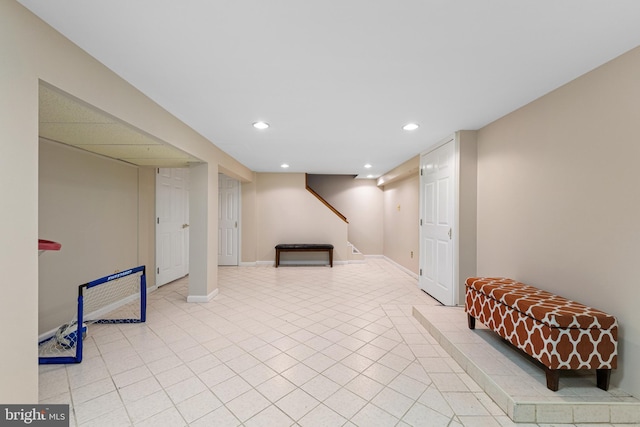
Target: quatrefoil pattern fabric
point(560, 333)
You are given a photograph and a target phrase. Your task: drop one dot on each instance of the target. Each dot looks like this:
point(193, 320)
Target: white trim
point(299, 263)
point(317, 262)
point(406, 270)
point(246, 264)
point(238, 260)
point(304, 262)
point(202, 298)
point(47, 335)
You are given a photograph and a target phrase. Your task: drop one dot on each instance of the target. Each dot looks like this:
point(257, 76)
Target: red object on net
point(48, 245)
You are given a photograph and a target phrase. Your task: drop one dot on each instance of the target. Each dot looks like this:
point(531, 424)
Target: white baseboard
point(299, 263)
point(335, 262)
point(247, 264)
point(406, 270)
point(202, 298)
point(304, 262)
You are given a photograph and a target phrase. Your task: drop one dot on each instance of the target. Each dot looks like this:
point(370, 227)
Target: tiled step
point(517, 383)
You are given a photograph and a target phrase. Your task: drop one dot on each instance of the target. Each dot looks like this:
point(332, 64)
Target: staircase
point(354, 254)
point(324, 202)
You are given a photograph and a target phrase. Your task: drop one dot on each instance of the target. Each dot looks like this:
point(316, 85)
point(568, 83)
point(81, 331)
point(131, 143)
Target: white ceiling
point(337, 79)
point(65, 119)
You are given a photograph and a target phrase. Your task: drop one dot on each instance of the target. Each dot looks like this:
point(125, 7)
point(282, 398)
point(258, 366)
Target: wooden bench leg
point(603, 376)
point(277, 257)
point(471, 321)
point(553, 378)
point(331, 257)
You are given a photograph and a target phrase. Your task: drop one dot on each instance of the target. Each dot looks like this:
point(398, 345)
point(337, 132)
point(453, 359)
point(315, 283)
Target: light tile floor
point(303, 346)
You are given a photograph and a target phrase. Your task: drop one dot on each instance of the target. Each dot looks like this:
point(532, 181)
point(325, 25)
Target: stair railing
point(319, 197)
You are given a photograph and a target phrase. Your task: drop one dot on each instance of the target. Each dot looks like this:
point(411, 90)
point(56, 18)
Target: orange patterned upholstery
point(560, 333)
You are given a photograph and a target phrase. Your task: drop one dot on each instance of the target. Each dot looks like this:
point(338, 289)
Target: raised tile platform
point(517, 383)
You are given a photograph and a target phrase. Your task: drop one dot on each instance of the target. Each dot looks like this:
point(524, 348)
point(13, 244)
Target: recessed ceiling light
point(261, 125)
point(284, 166)
point(368, 166)
point(369, 176)
point(410, 126)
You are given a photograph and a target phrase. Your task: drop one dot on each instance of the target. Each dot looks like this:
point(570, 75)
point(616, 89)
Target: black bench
point(304, 247)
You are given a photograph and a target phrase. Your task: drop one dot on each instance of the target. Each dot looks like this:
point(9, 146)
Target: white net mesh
point(56, 347)
point(112, 299)
point(118, 299)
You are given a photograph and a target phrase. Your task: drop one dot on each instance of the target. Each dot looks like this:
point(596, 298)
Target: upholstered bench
point(557, 332)
point(304, 247)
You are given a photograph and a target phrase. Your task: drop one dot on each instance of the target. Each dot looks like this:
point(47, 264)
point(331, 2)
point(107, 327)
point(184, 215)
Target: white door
point(228, 217)
point(437, 182)
point(172, 224)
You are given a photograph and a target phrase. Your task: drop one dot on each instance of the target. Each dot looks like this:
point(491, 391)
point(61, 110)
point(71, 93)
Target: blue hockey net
point(116, 298)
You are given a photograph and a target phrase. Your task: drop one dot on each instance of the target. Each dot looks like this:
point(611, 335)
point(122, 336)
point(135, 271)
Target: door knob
point(185, 225)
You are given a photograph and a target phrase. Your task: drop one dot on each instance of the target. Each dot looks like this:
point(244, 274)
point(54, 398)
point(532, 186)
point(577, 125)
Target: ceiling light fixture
point(368, 166)
point(261, 125)
point(410, 126)
point(284, 166)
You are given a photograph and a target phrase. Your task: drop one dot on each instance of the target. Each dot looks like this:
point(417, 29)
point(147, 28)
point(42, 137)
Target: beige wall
point(91, 205)
point(146, 222)
point(558, 199)
point(466, 215)
point(19, 213)
point(360, 200)
point(249, 222)
point(287, 213)
point(401, 217)
point(557, 205)
point(31, 50)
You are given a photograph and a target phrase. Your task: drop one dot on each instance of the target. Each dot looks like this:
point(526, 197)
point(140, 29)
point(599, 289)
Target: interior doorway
point(228, 220)
point(437, 183)
point(172, 224)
